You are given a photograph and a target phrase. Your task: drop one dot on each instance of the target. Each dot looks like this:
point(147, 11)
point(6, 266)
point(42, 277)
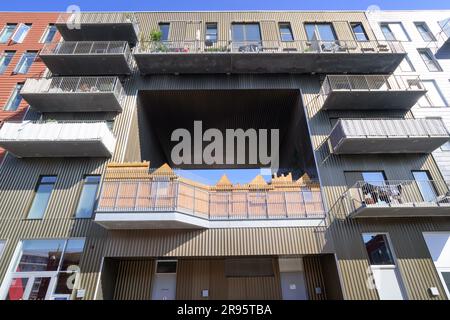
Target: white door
point(387, 283)
point(31, 287)
point(165, 280)
point(438, 244)
point(293, 286)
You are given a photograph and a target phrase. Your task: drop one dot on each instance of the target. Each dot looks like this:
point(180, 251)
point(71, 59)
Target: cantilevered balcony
point(98, 26)
point(371, 92)
point(445, 30)
point(86, 58)
point(396, 199)
point(57, 139)
point(170, 202)
point(267, 56)
point(74, 94)
point(362, 136)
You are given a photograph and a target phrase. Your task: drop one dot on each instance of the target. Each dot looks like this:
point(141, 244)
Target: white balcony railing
point(83, 18)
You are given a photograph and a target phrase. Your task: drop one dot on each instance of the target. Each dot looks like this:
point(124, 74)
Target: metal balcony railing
point(74, 85)
point(80, 18)
point(144, 196)
point(397, 194)
point(87, 48)
point(371, 83)
point(269, 46)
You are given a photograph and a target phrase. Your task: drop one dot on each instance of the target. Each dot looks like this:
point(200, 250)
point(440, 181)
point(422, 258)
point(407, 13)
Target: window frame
point(430, 182)
point(430, 55)
point(244, 32)
point(216, 34)
point(23, 59)
point(46, 32)
point(409, 63)
point(317, 33)
point(289, 28)
point(23, 35)
point(446, 149)
point(13, 97)
point(81, 193)
point(35, 194)
point(426, 96)
point(427, 30)
point(4, 29)
point(162, 260)
point(388, 243)
point(3, 58)
point(168, 30)
point(352, 25)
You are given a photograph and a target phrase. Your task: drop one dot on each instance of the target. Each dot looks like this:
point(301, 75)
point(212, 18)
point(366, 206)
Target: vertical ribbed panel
point(314, 277)
point(134, 280)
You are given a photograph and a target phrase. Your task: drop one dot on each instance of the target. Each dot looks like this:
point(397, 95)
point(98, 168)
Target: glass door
point(425, 185)
point(31, 287)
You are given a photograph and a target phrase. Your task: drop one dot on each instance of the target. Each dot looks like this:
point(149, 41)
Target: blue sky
point(170, 5)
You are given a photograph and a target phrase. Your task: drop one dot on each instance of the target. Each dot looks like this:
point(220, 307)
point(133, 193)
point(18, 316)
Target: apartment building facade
point(93, 206)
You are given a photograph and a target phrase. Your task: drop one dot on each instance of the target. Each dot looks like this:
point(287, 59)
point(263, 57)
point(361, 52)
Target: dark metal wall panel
point(134, 280)
point(314, 278)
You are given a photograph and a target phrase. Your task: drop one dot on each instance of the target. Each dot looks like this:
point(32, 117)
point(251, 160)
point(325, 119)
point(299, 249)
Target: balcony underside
point(358, 63)
point(99, 32)
point(372, 100)
point(86, 64)
point(406, 210)
point(180, 220)
point(53, 148)
point(362, 145)
point(73, 102)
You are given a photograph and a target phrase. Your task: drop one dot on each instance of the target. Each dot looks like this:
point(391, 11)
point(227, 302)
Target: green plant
point(155, 35)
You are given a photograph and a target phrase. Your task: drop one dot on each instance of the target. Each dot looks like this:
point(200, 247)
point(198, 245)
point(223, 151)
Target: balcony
point(98, 26)
point(445, 30)
point(363, 136)
point(397, 199)
point(268, 57)
point(57, 139)
point(172, 203)
point(74, 94)
point(371, 92)
point(87, 58)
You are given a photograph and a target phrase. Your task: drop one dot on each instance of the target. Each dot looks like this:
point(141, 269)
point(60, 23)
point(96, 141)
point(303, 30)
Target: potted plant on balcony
point(157, 44)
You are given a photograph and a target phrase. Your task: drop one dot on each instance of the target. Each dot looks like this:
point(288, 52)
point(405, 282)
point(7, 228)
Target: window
point(377, 247)
point(372, 177)
point(424, 31)
point(7, 32)
point(2, 247)
point(359, 32)
point(246, 32)
point(21, 32)
point(286, 32)
point(406, 65)
point(249, 267)
point(425, 185)
point(45, 268)
point(49, 34)
point(445, 26)
point(5, 60)
point(320, 31)
point(168, 266)
point(42, 196)
point(25, 62)
point(88, 197)
point(433, 97)
point(446, 146)
point(394, 31)
point(15, 99)
point(211, 32)
point(165, 29)
point(429, 60)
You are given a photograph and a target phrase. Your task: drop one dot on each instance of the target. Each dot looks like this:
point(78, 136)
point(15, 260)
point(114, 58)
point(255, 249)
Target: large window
point(211, 32)
point(49, 34)
point(394, 31)
point(425, 185)
point(377, 247)
point(5, 60)
point(286, 31)
point(165, 29)
point(42, 196)
point(88, 197)
point(424, 31)
point(359, 32)
point(21, 32)
point(7, 32)
point(433, 97)
point(25, 62)
point(45, 269)
point(246, 32)
point(406, 65)
point(15, 99)
point(429, 60)
point(320, 31)
point(372, 177)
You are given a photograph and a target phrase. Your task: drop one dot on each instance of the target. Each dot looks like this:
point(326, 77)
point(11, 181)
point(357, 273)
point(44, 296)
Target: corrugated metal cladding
point(8, 79)
point(19, 176)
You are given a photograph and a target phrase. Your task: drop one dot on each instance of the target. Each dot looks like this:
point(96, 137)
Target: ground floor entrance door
point(165, 280)
point(293, 286)
point(31, 287)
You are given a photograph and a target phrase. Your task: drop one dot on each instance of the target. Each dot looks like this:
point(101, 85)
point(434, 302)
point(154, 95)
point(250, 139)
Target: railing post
point(136, 195)
point(266, 194)
point(285, 204)
point(228, 205)
point(117, 196)
point(247, 205)
point(175, 205)
point(367, 82)
point(194, 198)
